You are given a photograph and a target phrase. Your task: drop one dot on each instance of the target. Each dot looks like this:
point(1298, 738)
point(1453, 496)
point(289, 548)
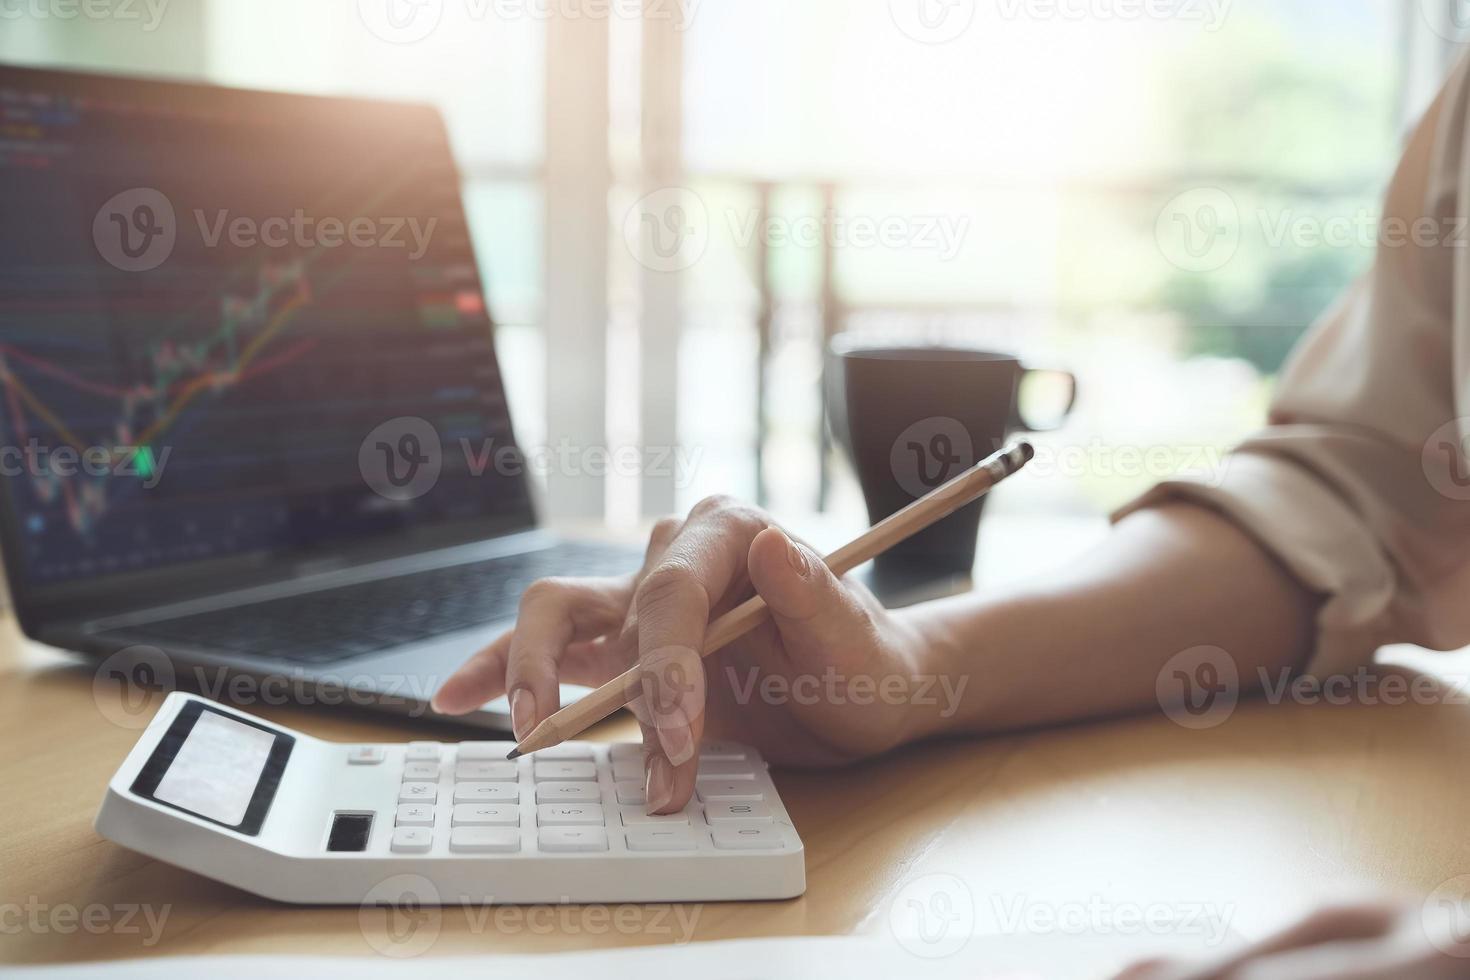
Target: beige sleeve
point(1358, 485)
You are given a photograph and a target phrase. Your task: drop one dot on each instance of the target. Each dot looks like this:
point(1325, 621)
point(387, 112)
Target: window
point(1159, 202)
point(1161, 205)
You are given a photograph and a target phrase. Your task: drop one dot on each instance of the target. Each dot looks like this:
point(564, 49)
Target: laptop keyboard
point(354, 620)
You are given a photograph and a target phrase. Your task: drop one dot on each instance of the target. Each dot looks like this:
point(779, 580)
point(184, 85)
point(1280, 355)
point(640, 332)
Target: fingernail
point(674, 736)
point(522, 712)
point(659, 787)
point(797, 557)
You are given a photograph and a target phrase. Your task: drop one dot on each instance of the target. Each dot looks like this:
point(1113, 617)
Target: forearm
point(1089, 640)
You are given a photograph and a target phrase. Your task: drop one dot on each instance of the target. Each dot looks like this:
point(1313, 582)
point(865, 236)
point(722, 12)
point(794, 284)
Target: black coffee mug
point(911, 418)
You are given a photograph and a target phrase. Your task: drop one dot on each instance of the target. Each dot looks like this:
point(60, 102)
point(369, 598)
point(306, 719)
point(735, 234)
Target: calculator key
point(567, 752)
point(567, 793)
point(747, 838)
point(420, 771)
point(412, 840)
point(635, 817)
point(423, 752)
point(628, 769)
point(414, 815)
point(728, 768)
point(722, 750)
point(418, 793)
point(484, 840)
point(486, 792)
point(630, 792)
point(567, 771)
point(736, 812)
point(486, 815)
point(366, 755)
point(725, 790)
point(661, 839)
point(621, 751)
point(569, 815)
point(557, 839)
point(484, 751)
point(486, 772)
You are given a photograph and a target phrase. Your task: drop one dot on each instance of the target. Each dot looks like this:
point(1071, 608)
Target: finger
point(1408, 948)
point(1323, 926)
point(1363, 959)
point(665, 529)
point(819, 617)
point(662, 783)
point(672, 685)
point(553, 614)
point(1145, 970)
point(590, 663)
point(593, 663)
point(478, 680)
point(673, 604)
point(483, 676)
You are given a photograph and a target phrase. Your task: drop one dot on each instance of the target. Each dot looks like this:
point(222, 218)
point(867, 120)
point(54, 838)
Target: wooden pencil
point(934, 506)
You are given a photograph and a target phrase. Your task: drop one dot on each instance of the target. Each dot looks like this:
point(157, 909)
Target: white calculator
point(297, 819)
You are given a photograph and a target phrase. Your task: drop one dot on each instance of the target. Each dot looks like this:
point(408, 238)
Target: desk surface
point(1277, 809)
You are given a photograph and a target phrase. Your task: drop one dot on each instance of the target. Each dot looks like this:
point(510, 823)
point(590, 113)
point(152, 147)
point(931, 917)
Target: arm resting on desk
point(1091, 639)
point(835, 677)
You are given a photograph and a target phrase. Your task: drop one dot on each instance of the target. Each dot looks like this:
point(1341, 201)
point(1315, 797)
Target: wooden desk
point(1276, 810)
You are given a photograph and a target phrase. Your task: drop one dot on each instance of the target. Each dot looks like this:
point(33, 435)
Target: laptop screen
point(234, 324)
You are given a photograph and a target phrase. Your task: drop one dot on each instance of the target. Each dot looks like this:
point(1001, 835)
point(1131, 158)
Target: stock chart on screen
point(206, 308)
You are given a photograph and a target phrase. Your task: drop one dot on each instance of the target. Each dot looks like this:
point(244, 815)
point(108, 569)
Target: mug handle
point(1019, 421)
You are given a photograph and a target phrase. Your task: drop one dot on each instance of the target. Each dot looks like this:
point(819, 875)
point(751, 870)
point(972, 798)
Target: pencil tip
point(513, 755)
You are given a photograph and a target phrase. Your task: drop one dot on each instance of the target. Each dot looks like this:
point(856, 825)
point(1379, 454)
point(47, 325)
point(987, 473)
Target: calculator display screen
point(216, 766)
point(215, 772)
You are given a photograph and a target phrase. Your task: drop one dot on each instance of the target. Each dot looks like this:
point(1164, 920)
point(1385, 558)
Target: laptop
point(253, 434)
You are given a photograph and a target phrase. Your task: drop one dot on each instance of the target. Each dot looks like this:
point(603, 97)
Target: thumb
point(819, 618)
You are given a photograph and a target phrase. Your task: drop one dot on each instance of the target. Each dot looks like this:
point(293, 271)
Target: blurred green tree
point(1294, 132)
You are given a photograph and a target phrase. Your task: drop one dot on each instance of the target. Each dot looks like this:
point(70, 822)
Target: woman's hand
point(1356, 942)
point(831, 677)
